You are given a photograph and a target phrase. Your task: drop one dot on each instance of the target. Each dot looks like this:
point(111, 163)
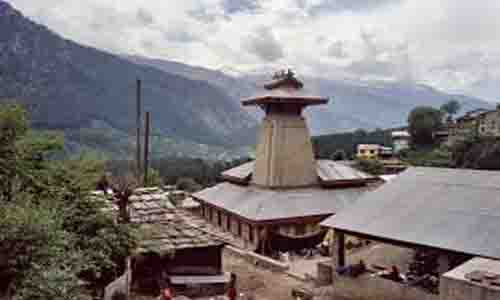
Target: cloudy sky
point(451, 44)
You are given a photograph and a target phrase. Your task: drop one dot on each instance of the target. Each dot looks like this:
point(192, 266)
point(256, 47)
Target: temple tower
point(284, 154)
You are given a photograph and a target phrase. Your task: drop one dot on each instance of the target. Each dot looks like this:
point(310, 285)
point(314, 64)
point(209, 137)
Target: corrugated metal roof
point(451, 209)
point(261, 204)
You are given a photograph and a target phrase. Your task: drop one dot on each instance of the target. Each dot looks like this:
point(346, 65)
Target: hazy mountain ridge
point(69, 86)
point(353, 104)
point(73, 87)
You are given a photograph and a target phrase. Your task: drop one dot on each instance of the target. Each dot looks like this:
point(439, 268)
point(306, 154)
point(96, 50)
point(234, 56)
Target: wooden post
point(341, 249)
point(128, 279)
point(138, 124)
point(146, 147)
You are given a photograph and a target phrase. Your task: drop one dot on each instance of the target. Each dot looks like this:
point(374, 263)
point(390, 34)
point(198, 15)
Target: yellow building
point(373, 151)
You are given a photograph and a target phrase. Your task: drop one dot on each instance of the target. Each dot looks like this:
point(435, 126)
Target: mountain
point(69, 86)
point(90, 95)
point(353, 103)
point(375, 104)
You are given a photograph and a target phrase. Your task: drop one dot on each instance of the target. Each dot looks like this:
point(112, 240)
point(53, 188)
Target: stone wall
point(451, 289)
point(456, 285)
point(366, 287)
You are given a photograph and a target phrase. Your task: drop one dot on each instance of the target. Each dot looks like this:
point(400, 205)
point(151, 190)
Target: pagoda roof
point(285, 88)
point(330, 174)
point(284, 96)
point(260, 204)
point(338, 186)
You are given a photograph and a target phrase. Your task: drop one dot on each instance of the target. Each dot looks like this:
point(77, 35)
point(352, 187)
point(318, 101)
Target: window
point(372, 151)
point(219, 218)
point(362, 151)
point(239, 228)
point(228, 223)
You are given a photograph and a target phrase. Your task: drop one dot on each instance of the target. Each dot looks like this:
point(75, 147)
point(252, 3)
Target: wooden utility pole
point(146, 147)
point(138, 124)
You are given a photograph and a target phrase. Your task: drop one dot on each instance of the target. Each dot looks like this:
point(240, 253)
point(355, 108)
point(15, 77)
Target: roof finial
point(284, 77)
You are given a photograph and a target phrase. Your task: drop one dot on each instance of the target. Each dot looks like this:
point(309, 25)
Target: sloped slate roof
point(450, 209)
point(163, 228)
point(259, 204)
point(329, 173)
point(173, 235)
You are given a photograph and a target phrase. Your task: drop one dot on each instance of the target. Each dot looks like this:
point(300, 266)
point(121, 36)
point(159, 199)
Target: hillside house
point(373, 151)
point(489, 123)
point(400, 140)
point(276, 202)
point(464, 126)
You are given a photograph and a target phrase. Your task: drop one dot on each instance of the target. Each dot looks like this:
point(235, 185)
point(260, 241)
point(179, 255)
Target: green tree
point(370, 166)
point(154, 178)
point(13, 126)
point(475, 153)
point(339, 155)
point(451, 108)
point(53, 235)
point(188, 184)
point(423, 121)
point(123, 187)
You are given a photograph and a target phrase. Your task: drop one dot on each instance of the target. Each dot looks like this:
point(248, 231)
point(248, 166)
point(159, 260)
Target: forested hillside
point(69, 86)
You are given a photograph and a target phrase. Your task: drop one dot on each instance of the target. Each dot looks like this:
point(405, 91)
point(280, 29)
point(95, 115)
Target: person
point(395, 275)
point(231, 292)
point(103, 183)
point(166, 293)
point(353, 270)
point(358, 268)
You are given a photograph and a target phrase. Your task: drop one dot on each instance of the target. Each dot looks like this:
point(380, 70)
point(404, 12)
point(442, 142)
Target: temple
point(276, 202)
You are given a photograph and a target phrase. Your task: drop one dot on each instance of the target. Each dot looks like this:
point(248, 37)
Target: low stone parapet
point(368, 287)
point(259, 260)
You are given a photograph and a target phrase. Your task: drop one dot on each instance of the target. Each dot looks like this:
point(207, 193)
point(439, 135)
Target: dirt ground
point(259, 283)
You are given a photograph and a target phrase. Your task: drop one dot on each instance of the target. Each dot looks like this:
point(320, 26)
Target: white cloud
point(451, 44)
point(264, 44)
